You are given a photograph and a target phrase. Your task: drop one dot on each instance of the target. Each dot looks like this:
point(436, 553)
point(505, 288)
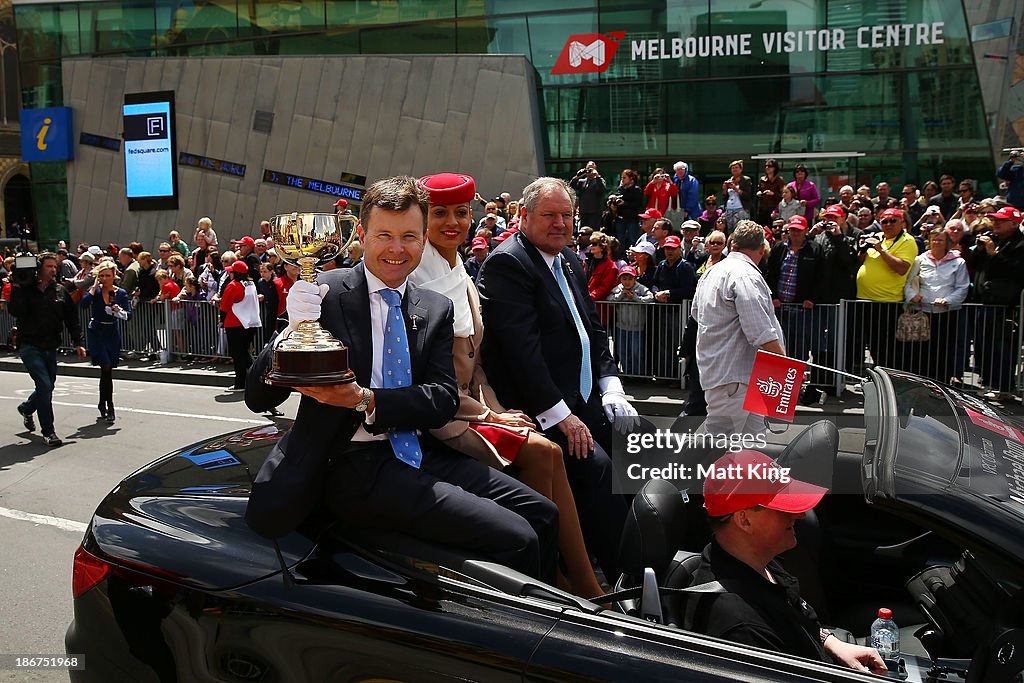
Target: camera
point(829, 225)
point(862, 243)
point(615, 199)
point(580, 172)
point(26, 268)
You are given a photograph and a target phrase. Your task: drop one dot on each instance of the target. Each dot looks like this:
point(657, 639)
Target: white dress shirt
point(378, 314)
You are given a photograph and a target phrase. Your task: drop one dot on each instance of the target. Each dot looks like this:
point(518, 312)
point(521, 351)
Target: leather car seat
point(812, 453)
point(652, 537)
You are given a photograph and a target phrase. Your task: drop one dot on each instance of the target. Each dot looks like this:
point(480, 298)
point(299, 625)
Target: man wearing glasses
point(885, 262)
point(909, 203)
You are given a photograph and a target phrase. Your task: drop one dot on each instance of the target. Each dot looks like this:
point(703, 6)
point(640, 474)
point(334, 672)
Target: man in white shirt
point(735, 318)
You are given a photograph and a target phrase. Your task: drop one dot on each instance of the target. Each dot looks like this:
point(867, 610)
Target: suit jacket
point(531, 352)
point(290, 482)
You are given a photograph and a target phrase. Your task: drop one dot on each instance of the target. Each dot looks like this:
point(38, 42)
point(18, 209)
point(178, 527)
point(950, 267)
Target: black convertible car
point(171, 585)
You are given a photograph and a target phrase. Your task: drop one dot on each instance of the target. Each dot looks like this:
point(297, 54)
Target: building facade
point(860, 90)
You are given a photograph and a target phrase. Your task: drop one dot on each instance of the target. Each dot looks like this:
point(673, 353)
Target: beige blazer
point(476, 398)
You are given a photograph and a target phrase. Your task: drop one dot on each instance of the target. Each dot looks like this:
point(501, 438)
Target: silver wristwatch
point(364, 402)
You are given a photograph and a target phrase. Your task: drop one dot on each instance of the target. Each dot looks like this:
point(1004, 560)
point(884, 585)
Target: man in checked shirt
point(735, 318)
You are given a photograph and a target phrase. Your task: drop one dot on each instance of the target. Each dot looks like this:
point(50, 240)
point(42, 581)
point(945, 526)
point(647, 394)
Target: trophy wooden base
point(310, 368)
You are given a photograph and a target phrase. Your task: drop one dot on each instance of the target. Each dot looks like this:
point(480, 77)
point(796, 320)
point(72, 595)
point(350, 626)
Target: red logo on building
point(588, 53)
point(774, 386)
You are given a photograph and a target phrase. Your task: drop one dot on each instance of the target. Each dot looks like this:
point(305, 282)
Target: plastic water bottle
point(885, 635)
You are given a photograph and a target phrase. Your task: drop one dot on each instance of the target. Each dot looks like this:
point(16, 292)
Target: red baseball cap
point(891, 213)
point(798, 222)
point(1007, 213)
point(449, 188)
point(627, 270)
point(341, 202)
point(246, 240)
point(672, 241)
point(238, 267)
point(479, 243)
point(505, 235)
point(651, 213)
point(751, 478)
point(834, 211)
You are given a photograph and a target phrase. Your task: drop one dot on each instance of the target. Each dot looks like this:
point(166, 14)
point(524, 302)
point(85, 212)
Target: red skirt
point(506, 441)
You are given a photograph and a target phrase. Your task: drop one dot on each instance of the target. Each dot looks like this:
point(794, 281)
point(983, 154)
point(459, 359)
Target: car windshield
point(929, 440)
point(955, 458)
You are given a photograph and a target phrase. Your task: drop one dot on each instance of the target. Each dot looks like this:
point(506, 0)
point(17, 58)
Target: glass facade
point(877, 90)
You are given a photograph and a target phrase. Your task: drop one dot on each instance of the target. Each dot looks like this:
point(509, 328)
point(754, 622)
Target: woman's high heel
point(102, 407)
point(110, 414)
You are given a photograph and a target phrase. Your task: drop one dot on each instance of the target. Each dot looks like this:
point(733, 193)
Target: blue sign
point(46, 134)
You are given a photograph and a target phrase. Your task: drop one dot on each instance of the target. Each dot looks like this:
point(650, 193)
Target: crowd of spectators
point(932, 248)
point(649, 241)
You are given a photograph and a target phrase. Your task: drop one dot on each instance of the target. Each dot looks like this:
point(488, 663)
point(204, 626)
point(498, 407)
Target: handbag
point(913, 326)
point(676, 216)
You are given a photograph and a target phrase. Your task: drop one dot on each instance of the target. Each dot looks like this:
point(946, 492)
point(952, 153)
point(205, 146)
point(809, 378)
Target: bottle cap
point(885, 613)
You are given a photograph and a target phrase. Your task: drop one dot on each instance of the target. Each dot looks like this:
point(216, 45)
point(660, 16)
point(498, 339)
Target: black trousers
point(451, 499)
point(239, 339)
point(602, 513)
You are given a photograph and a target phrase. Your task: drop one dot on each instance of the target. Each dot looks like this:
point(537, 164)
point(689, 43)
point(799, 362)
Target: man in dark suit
point(546, 352)
point(359, 451)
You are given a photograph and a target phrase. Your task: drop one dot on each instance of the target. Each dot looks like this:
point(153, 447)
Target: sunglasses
point(890, 221)
point(963, 189)
point(721, 244)
point(163, 250)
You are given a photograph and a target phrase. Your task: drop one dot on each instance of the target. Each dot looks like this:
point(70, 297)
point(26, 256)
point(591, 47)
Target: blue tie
point(586, 377)
point(397, 373)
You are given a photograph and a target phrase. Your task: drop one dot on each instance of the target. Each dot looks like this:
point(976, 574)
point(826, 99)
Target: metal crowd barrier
point(645, 338)
point(186, 330)
point(977, 346)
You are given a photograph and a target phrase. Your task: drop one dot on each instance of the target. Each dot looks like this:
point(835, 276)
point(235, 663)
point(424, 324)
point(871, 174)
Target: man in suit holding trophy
point(357, 448)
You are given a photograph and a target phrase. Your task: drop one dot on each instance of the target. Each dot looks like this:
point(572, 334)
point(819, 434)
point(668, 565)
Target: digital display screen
point(150, 151)
point(211, 164)
point(94, 140)
point(341, 190)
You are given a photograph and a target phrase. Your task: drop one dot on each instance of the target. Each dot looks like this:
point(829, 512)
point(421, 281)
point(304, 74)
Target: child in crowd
point(630, 321)
point(789, 206)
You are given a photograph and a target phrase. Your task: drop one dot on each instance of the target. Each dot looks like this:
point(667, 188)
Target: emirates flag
point(774, 386)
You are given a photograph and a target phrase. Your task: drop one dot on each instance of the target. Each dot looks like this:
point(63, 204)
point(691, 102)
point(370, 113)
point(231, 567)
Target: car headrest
point(654, 529)
point(813, 452)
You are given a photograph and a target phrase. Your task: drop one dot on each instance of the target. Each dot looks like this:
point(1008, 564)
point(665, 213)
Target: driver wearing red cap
point(752, 505)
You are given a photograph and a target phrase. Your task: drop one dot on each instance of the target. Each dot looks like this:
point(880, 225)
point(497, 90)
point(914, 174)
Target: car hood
point(183, 516)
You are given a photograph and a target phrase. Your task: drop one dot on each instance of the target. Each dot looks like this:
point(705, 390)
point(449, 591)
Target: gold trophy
point(310, 356)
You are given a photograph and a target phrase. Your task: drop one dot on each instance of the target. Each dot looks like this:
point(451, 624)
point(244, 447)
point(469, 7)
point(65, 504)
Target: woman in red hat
point(482, 428)
point(241, 307)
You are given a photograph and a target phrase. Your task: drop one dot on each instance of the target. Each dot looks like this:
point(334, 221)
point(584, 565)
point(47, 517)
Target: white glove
point(616, 406)
point(303, 304)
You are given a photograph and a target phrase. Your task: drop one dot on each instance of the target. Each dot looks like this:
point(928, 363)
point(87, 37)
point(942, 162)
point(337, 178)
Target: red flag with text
point(774, 386)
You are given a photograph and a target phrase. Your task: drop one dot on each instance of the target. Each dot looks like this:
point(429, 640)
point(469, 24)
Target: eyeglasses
point(906, 192)
point(163, 250)
point(721, 244)
point(890, 221)
point(964, 189)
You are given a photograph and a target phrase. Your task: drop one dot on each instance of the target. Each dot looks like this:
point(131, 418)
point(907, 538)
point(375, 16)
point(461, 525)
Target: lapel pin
point(414, 323)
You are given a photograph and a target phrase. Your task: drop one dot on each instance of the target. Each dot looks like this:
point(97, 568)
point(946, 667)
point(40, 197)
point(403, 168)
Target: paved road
point(62, 486)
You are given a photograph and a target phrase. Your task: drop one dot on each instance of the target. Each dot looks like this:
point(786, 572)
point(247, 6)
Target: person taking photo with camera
point(590, 189)
point(41, 306)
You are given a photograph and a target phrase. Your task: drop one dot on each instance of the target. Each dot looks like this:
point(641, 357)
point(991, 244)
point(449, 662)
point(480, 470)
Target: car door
point(614, 647)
